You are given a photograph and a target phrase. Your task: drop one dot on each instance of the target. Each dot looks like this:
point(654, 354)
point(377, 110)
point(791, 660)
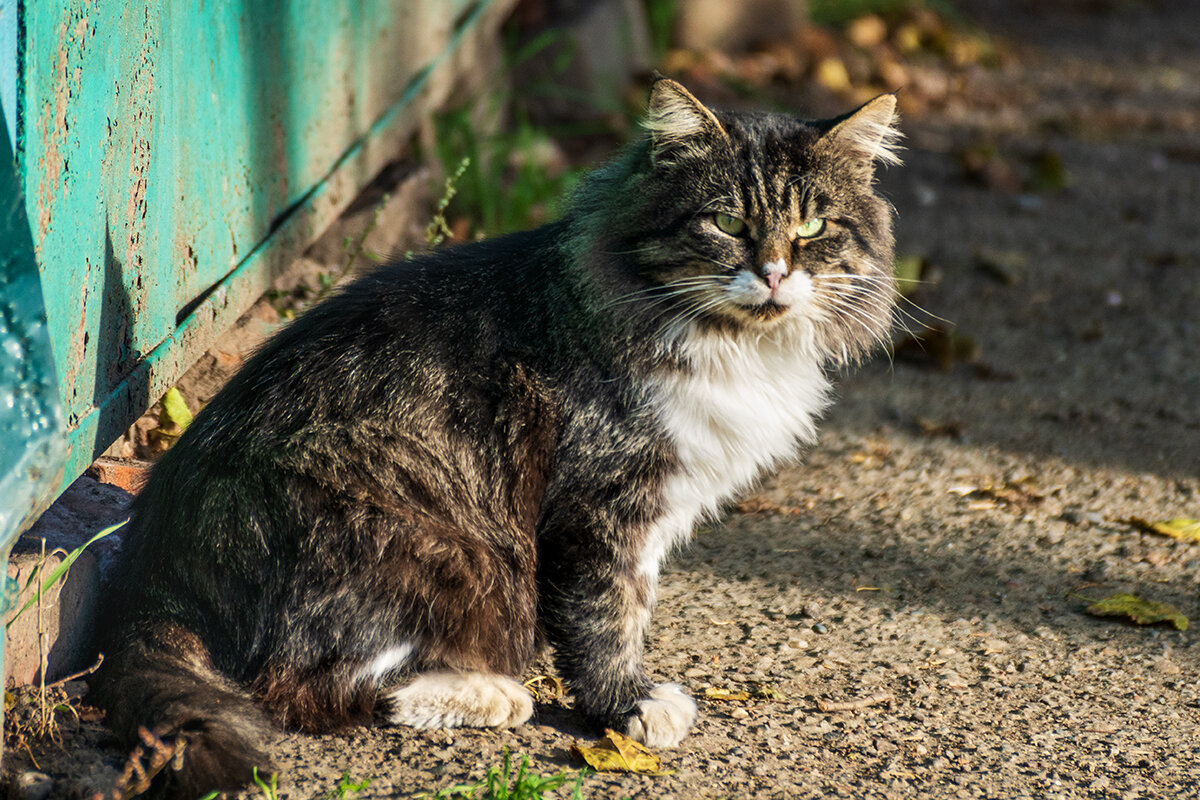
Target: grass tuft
point(346, 785)
point(504, 182)
point(268, 785)
point(502, 783)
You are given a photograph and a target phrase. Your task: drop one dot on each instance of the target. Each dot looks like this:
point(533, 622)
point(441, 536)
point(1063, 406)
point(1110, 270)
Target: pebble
point(32, 785)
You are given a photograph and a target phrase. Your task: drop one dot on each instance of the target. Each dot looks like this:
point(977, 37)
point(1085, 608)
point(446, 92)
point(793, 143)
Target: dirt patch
point(933, 554)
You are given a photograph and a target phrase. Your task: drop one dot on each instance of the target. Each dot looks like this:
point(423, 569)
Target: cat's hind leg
point(458, 699)
point(471, 617)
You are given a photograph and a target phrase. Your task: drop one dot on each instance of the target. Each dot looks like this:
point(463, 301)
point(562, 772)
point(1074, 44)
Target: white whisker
point(845, 309)
point(661, 292)
point(882, 281)
point(688, 315)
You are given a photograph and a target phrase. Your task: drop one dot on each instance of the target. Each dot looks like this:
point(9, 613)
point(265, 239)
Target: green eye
point(729, 224)
point(810, 228)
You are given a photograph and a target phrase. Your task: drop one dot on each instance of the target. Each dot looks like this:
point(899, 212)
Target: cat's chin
point(765, 312)
point(739, 318)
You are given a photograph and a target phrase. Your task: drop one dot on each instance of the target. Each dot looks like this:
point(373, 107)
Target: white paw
point(663, 719)
point(460, 700)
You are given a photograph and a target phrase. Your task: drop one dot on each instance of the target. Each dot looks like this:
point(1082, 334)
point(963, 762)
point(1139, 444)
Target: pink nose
point(773, 272)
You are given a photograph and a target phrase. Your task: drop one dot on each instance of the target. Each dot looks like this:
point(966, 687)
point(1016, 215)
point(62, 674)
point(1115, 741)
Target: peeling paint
point(80, 342)
point(53, 129)
point(53, 124)
point(141, 105)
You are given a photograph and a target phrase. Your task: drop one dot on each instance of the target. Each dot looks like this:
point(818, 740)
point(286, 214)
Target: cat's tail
point(161, 685)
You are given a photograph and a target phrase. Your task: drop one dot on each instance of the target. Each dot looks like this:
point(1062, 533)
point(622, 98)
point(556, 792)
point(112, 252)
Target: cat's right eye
point(727, 223)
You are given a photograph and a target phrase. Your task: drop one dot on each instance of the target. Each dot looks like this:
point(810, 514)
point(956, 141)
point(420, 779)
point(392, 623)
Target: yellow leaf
point(726, 695)
point(1181, 528)
point(1143, 612)
point(616, 752)
point(175, 415)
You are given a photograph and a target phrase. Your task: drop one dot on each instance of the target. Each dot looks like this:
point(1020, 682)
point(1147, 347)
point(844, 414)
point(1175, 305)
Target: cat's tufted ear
point(869, 134)
point(678, 123)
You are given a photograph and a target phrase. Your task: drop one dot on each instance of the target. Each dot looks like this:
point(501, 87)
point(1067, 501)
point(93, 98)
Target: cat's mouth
point(766, 311)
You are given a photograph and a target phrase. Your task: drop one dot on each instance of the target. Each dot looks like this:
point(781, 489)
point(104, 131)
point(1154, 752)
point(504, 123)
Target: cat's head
point(746, 221)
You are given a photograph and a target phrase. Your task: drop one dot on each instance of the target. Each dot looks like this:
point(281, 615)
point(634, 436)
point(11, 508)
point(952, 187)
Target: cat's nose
point(773, 272)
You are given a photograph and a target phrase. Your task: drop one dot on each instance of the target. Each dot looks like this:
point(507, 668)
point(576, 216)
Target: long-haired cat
point(454, 457)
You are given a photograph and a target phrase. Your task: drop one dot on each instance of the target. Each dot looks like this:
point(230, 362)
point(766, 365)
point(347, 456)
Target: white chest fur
point(746, 405)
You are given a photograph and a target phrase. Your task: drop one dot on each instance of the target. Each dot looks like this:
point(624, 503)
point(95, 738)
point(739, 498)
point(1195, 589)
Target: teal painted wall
point(176, 155)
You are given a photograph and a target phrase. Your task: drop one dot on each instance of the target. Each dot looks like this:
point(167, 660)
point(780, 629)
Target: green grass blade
point(62, 568)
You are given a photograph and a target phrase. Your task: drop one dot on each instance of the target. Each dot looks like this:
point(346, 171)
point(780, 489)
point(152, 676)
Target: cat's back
point(395, 339)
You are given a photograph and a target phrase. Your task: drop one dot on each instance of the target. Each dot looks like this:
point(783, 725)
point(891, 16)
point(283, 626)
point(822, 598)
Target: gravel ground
point(930, 557)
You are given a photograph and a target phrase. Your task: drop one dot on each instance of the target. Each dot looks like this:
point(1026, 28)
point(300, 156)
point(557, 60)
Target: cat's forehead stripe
point(773, 188)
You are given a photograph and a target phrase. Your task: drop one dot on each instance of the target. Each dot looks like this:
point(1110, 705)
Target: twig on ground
point(82, 673)
point(137, 776)
point(858, 703)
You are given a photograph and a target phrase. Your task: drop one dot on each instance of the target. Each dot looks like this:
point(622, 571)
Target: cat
point(454, 458)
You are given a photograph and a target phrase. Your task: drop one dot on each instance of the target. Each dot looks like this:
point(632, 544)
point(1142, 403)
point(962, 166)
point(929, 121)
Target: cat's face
point(749, 221)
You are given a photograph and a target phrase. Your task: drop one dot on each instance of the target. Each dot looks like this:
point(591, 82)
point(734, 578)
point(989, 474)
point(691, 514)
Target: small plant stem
point(43, 709)
point(362, 238)
point(82, 673)
point(437, 231)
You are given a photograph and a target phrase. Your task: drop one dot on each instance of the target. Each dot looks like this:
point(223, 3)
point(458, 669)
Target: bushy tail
point(162, 686)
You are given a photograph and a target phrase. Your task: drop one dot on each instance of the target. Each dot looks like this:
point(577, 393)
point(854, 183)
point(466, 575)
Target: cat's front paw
point(459, 700)
point(664, 718)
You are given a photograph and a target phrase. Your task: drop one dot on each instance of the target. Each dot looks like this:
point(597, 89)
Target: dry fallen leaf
point(1143, 612)
point(867, 460)
point(757, 691)
point(546, 687)
point(762, 691)
point(953, 430)
point(1020, 494)
point(1005, 266)
point(938, 345)
point(1181, 528)
point(760, 504)
point(616, 752)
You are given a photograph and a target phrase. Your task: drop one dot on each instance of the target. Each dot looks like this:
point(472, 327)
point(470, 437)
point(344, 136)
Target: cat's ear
point(679, 123)
point(868, 135)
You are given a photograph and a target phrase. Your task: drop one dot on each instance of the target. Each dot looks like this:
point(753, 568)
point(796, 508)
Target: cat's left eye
point(810, 228)
point(727, 223)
